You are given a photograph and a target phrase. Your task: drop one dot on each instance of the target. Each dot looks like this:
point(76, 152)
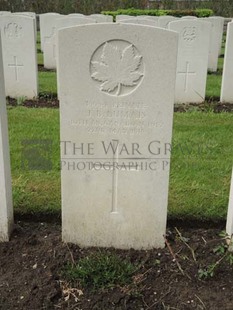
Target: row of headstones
point(199, 46)
point(117, 195)
point(20, 58)
point(50, 23)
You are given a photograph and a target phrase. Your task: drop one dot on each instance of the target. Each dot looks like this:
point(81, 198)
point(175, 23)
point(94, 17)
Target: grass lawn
point(48, 83)
point(200, 166)
point(200, 178)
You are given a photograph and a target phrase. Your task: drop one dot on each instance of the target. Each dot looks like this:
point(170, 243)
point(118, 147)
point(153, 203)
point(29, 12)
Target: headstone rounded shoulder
point(163, 21)
point(76, 14)
point(100, 18)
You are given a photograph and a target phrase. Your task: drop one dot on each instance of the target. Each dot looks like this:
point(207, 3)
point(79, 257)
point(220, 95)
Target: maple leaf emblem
point(117, 68)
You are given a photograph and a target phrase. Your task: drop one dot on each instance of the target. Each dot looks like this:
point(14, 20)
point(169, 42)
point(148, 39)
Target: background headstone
point(5, 13)
point(229, 227)
point(76, 15)
point(163, 21)
point(140, 21)
point(155, 18)
point(47, 26)
point(220, 31)
point(227, 77)
point(122, 17)
point(215, 41)
point(189, 17)
point(100, 18)
point(19, 56)
point(192, 59)
point(6, 205)
point(50, 45)
point(112, 91)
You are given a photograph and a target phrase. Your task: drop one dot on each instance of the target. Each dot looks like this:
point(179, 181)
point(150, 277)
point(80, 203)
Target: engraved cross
point(186, 75)
point(16, 66)
point(115, 161)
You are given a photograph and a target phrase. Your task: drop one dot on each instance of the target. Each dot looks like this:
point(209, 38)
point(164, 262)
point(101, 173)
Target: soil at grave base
point(53, 102)
point(31, 263)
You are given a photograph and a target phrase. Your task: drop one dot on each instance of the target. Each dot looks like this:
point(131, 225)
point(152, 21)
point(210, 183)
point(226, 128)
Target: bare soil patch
point(31, 278)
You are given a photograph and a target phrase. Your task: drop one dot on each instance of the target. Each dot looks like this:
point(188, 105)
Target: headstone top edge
point(122, 25)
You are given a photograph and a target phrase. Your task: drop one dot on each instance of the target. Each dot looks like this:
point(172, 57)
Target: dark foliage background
point(220, 7)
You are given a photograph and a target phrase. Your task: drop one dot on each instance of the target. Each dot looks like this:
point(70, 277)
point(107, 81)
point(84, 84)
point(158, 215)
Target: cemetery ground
point(38, 271)
point(194, 271)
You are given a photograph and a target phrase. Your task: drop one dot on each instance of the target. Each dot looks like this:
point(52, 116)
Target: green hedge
point(177, 13)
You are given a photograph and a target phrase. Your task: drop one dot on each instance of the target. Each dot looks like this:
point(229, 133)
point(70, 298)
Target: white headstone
point(29, 14)
point(229, 227)
point(148, 17)
point(141, 21)
point(122, 17)
point(19, 56)
point(221, 29)
point(163, 21)
point(227, 77)
point(215, 41)
point(112, 92)
point(50, 45)
point(100, 18)
point(5, 12)
point(6, 205)
point(192, 59)
point(189, 17)
point(47, 26)
point(76, 15)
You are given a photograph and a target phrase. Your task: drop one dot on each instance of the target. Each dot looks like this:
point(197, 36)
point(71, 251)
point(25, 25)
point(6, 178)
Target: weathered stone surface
point(141, 21)
point(47, 25)
point(192, 59)
point(229, 227)
point(227, 77)
point(116, 114)
point(163, 21)
point(19, 55)
point(50, 45)
point(100, 18)
point(6, 205)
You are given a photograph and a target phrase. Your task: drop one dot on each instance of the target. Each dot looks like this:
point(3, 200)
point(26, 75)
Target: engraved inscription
point(13, 31)
point(118, 67)
point(186, 74)
point(189, 34)
point(127, 117)
point(16, 67)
